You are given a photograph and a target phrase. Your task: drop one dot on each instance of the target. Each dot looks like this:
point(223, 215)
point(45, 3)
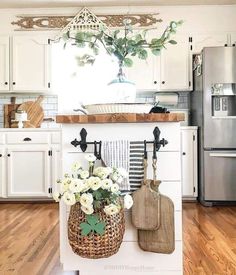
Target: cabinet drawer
point(28, 138)
point(2, 138)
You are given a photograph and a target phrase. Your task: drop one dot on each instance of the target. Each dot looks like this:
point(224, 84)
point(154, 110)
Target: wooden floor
point(29, 240)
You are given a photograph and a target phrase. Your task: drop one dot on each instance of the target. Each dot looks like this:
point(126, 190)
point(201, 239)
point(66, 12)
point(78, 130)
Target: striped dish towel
point(116, 154)
point(136, 170)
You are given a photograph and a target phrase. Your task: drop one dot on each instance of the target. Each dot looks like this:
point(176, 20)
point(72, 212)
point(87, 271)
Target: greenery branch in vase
point(124, 45)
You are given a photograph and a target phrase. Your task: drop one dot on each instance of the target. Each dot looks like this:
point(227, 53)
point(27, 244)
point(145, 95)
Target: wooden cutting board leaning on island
point(33, 109)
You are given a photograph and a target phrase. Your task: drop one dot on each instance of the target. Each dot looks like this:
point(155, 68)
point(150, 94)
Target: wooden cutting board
point(34, 112)
point(9, 113)
point(145, 208)
point(163, 239)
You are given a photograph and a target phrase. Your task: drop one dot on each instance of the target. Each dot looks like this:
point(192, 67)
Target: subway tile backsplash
point(49, 104)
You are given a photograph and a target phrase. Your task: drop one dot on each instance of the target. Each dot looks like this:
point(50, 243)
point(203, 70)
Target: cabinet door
point(189, 163)
point(30, 63)
point(143, 72)
point(4, 63)
point(175, 66)
point(2, 174)
point(208, 40)
point(28, 170)
point(56, 169)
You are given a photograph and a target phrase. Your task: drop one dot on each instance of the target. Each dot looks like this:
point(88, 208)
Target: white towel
point(116, 154)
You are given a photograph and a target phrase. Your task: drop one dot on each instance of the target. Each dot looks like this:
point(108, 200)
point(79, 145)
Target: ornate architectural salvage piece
point(26, 22)
point(138, 20)
point(84, 17)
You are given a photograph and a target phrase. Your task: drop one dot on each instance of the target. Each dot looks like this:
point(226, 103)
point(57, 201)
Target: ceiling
point(88, 3)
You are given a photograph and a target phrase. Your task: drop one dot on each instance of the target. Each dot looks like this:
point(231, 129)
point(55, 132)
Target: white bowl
point(118, 108)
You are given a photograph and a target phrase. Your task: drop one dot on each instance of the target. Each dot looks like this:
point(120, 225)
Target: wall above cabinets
point(25, 63)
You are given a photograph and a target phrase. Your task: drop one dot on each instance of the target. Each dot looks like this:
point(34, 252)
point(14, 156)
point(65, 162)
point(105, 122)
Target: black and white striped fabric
point(136, 170)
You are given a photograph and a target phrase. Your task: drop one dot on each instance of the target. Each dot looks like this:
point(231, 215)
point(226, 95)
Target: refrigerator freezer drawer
point(220, 175)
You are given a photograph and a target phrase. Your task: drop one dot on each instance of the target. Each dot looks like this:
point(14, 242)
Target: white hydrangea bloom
point(76, 185)
point(75, 167)
point(69, 198)
point(84, 174)
point(111, 209)
point(106, 184)
point(128, 201)
point(56, 196)
point(90, 158)
point(115, 188)
point(86, 199)
point(65, 184)
point(87, 209)
point(94, 183)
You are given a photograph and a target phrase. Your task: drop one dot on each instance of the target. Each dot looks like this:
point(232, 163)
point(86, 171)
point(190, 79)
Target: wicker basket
point(95, 246)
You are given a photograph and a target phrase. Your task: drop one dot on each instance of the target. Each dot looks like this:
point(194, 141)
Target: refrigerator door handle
point(223, 155)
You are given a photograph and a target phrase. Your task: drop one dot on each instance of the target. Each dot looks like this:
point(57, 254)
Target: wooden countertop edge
point(120, 118)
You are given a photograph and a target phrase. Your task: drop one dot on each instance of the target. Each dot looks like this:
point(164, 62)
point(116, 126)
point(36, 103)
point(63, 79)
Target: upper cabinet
point(4, 63)
point(30, 63)
point(27, 68)
point(171, 71)
point(175, 66)
point(208, 40)
point(213, 40)
point(143, 72)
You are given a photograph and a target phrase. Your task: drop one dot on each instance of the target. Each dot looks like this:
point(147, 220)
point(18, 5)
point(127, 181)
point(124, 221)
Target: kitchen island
point(130, 259)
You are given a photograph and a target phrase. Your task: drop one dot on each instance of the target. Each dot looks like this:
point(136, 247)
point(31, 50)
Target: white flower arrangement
point(93, 188)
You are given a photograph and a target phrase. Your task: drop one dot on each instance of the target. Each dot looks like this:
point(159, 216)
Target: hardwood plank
point(29, 240)
point(120, 118)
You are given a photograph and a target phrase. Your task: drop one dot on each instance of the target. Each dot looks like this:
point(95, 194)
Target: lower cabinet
point(29, 170)
point(189, 162)
point(2, 175)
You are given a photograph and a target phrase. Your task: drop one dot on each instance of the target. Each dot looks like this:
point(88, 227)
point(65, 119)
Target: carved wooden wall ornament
point(50, 22)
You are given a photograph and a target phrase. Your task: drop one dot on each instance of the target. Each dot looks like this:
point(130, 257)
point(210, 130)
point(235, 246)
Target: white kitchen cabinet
point(189, 162)
point(2, 174)
point(143, 72)
point(209, 40)
point(30, 63)
point(28, 171)
point(25, 63)
point(175, 66)
point(171, 71)
point(4, 63)
point(30, 163)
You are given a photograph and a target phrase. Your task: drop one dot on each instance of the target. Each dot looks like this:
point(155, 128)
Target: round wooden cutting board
point(34, 111)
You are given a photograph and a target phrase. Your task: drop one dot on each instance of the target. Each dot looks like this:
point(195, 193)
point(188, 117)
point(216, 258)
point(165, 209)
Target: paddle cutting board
point(34, 112)
point(145, 208)
point(163, 239)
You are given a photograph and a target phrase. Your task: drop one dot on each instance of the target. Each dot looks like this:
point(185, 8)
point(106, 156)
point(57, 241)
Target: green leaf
point(128, 62)
point(100, 228)
point(86, 228)
point(143, 54)
point(92, 220)
point(156, 52)
point(172, 42)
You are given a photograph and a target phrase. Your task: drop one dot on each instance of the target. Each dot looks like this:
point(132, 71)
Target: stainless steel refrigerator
point(213, 109)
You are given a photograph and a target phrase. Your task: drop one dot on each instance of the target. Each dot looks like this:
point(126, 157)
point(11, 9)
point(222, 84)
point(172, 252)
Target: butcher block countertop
point(120, 118)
